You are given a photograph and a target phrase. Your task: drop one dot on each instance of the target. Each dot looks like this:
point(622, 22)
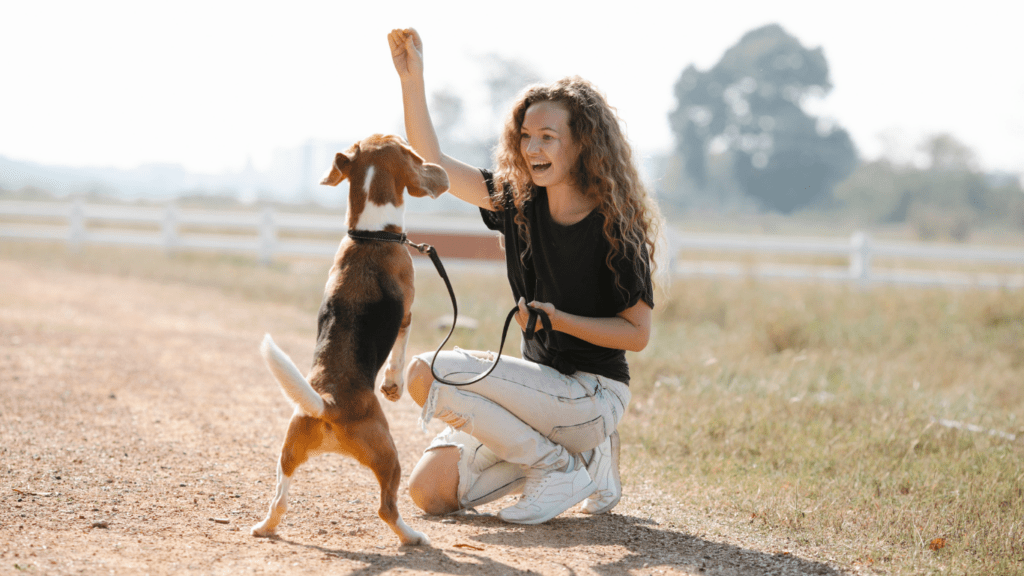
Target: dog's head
point(379, 169)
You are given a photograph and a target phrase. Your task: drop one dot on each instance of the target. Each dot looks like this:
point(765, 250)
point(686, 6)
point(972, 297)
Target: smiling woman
point(579, 232)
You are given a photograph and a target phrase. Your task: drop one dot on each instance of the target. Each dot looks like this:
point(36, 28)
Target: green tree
point(943, 199)
point(750, 105)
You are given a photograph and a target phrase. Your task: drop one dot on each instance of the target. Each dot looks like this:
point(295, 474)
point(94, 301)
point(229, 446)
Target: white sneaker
point(604, 469)
point(547, 494)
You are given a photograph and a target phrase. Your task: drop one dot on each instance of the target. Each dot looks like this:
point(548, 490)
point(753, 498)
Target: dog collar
point(378, 235)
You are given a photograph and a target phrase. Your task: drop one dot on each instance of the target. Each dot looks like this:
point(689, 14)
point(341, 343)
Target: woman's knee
point(418, 379)
point(419, 376)
point(434, 482)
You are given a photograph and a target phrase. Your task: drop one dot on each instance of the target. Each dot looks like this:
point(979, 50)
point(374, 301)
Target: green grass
point(803, 410)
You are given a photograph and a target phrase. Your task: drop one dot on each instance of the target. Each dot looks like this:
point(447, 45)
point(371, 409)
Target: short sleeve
point(493, 219)
point(634, 279)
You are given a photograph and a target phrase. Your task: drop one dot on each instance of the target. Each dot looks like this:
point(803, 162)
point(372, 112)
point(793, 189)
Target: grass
point(810, 410)
point(806, 411)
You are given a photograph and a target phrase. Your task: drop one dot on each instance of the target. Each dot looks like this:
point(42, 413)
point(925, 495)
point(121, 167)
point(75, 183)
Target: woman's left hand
point(523, 316)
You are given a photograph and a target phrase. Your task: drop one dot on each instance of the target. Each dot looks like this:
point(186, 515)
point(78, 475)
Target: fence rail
point(269, 233)
point(265, 233)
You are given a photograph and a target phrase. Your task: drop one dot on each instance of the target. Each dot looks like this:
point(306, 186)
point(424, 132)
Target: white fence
point(269, 233)
point(996, 267)
point(264, 234)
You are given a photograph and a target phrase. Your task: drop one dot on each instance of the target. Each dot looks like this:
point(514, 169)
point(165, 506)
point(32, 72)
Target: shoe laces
point(540, 480)
point(537, 478)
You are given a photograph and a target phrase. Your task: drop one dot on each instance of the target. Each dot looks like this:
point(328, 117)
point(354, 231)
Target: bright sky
point(210, 83)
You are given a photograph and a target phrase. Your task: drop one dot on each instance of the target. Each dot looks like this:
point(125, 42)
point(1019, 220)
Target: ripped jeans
point(523, 413)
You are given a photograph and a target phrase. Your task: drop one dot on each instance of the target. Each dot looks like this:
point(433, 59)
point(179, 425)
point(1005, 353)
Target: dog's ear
point(423, 178)
point(338, 171)
point(431, 180)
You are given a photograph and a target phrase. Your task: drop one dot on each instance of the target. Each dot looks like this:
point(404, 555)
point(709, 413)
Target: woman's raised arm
point(466, 182)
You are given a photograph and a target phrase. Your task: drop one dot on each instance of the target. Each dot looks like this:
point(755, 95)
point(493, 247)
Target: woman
point(579, 234)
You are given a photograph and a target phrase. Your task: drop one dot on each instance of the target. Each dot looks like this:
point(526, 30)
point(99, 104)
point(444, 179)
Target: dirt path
point(139, 432)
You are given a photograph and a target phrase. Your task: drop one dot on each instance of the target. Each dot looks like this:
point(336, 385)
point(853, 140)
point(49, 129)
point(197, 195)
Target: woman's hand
point(523, 316)
point(406, 52)
point(628, 330)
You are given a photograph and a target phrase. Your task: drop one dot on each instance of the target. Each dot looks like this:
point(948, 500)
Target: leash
point(535, 313)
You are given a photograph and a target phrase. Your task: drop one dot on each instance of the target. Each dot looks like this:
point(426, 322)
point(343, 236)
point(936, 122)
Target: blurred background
point(853, 115)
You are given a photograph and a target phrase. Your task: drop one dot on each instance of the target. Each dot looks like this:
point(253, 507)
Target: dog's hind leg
point(278, 506)
point(394, 383)
point(375, 449)
point(303, 434)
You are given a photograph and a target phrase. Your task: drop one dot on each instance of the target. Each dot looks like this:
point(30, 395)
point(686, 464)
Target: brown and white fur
point(364, 318)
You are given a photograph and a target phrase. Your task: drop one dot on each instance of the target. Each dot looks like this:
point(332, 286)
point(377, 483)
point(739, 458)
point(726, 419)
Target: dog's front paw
point(393, 385)
point(392, 389)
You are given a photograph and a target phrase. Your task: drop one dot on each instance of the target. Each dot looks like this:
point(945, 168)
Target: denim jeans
point(523, 411)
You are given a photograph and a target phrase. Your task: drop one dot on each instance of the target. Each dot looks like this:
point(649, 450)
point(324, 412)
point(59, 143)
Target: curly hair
point(604, 169)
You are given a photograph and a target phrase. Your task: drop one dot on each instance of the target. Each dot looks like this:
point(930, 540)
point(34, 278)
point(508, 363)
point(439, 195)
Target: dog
point(364, 319)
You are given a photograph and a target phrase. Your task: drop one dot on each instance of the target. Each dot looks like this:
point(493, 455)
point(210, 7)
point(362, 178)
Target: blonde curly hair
point(604, 169)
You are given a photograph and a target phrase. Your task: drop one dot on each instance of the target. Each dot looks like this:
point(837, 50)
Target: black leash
point(429, 250)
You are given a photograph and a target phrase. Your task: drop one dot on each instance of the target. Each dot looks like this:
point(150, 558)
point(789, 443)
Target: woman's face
point(547, 145)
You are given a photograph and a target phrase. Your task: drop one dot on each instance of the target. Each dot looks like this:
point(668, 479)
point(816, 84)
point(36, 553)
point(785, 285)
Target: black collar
point(378, 235)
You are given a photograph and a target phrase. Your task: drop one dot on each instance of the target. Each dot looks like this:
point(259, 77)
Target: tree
point(944, 198)
point(750, 105)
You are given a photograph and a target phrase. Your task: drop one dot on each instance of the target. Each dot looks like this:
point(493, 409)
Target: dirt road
point(139, 432)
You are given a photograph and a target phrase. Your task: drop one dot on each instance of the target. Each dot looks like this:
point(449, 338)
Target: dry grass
point(804, 411)
point(809, 409)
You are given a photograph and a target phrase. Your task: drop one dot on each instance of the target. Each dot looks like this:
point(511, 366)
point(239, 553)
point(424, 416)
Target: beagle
point(363, 320)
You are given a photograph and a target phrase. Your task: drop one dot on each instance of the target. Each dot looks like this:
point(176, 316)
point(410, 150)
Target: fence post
point(268, 235)
point(860, 257)
point(76, 225)
point(169, 228)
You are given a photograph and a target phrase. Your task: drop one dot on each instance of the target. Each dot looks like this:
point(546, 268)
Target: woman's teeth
point(541, 167)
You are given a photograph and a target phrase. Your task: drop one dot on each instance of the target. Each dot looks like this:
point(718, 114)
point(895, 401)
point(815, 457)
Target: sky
point(212, 84)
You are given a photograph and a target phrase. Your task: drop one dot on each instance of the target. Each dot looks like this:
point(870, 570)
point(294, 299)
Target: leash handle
point(531, 322)
point(535, 314)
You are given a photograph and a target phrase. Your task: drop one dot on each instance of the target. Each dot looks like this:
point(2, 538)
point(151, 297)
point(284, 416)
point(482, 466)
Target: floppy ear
point(426, 179)
point(339, 171)
point(431, 180)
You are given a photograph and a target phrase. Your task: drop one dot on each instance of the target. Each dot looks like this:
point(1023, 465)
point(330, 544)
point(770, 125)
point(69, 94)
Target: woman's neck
point(567, 205)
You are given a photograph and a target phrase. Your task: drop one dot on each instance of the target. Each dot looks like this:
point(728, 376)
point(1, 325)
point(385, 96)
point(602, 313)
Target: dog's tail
point(294, 385)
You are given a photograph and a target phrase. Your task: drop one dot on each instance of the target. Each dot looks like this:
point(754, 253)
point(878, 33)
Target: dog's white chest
point(376, 217)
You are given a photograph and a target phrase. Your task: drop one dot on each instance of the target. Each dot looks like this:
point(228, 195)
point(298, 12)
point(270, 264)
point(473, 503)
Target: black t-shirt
point(566, 267)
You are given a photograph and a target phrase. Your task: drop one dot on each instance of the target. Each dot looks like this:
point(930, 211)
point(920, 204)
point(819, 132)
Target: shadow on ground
point(650, 548)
